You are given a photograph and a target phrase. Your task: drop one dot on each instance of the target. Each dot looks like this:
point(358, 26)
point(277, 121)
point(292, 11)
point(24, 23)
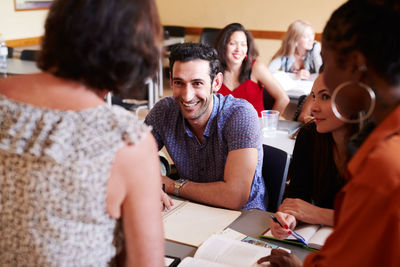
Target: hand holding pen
point(277, 231)
point(287, 222)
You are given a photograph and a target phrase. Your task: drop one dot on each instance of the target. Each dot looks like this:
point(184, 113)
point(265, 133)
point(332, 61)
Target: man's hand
point(281, 258)
point(288, 223)
point(169, 184)
point(168, 188)
point(166, 201)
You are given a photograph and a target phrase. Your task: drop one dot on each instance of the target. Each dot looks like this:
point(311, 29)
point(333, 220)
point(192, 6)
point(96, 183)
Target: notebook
point(314, 235)
point(191, 223)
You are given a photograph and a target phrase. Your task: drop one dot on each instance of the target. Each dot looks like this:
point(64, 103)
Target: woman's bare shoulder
point(260, 70)
point(130, 160)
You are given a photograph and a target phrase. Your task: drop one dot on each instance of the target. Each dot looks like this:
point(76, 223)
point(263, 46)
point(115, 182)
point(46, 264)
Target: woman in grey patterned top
point(70, 166)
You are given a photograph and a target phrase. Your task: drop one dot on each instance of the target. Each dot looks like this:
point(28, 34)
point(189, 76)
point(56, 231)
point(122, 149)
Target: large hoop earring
point(362, 115)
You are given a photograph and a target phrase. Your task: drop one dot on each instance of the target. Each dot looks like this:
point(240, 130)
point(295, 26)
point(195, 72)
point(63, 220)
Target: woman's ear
point(357, 61)
point(217, 82)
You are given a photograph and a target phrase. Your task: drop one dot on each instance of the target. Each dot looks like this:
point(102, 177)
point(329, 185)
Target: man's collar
point(209, 129)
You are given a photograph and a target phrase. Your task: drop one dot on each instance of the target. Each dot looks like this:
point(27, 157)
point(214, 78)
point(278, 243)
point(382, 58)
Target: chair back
point(10, 52)
point(28, 54)
point(274, 170)
point(268, 100)
point(300, 104)
point(209, 35)
point(174, 31)
point(135, 105)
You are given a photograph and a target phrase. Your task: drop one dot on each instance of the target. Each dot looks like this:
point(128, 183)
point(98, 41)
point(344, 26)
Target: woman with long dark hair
point(245, 76)
point(317, 166)
point(365, 84)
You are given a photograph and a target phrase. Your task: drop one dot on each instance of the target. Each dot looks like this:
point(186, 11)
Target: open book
point(218, 251)
point(191, 224)
point(315, 235)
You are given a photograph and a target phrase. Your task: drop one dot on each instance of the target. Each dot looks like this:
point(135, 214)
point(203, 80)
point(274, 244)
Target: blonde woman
point(299, 53)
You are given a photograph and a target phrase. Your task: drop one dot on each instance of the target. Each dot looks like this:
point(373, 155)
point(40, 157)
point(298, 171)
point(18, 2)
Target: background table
point(281, 140)
point(294, 87)
point(17, 66)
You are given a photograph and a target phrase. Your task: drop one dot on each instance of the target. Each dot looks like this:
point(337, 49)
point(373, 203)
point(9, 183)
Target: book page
point(192, 262)
point(318, 240)
point(231, 252)
point(232, 234)
point(192, 223)
point(177, 204)
point(305, 230)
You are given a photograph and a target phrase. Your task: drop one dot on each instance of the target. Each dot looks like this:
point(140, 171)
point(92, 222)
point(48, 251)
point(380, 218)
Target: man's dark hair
point(105, 44)
point(367, 26)
point(192, 51)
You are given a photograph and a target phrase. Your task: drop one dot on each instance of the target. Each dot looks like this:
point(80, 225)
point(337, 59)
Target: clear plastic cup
point(270, 120)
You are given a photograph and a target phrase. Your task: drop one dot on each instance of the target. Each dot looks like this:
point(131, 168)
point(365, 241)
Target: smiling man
point(214, 141)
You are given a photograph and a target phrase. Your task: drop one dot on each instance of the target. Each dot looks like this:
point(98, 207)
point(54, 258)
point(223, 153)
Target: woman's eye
point(326, 97)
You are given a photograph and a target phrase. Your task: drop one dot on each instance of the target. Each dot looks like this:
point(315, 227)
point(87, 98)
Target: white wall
point(20, 24)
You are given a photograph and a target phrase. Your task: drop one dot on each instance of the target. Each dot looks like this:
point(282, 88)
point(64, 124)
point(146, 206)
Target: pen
point(296, 235)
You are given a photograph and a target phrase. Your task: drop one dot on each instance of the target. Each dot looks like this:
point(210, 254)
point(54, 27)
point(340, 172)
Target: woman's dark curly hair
point(222, 42)
point(105, 44)
point(368, 26)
